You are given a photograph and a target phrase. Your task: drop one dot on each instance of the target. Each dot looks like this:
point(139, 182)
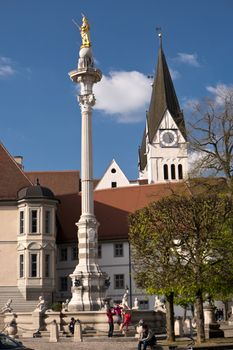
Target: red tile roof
point(60, 182)
point(12, 177)
point(112, 207)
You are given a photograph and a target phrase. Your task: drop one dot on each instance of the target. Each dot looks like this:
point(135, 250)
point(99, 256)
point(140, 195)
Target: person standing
point(117, 310)
point(110, 314)
point(126, 320)
point(71, 325)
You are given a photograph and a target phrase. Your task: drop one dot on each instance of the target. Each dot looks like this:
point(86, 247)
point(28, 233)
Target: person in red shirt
point(117, 310)
point(110, 314)
point(126, 320)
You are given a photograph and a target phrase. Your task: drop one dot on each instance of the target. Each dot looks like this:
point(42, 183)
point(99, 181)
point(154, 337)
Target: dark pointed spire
point(163, 97)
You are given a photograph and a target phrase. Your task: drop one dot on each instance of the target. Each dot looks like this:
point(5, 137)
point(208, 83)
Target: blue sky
point(39, 45)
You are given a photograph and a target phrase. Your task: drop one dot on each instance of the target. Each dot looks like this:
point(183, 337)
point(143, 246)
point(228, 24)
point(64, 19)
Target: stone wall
point(29, 322)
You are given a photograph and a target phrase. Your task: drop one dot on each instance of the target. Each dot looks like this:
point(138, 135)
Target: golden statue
point(84, 31)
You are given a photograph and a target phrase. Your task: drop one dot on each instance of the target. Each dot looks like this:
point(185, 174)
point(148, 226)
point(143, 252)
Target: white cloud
point(174, 74)
point(188, 58)
point(6, 67)
point(196, 164)
point(188, 104)
point(123, 95)
point(194, 158)
point(220, 92)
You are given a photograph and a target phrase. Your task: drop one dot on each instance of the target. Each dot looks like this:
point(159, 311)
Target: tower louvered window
point(180, 172)
point(173, 172)
point(165, 172)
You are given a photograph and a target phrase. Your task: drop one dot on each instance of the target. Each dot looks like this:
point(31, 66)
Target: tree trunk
point(185, 312)
point(170, 317)
point(225, 303)
point(200, 317)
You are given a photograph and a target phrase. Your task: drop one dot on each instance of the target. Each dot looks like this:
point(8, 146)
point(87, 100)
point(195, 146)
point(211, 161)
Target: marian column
point(89, 284)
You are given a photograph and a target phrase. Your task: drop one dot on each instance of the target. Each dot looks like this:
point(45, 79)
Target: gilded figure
point(84, 31)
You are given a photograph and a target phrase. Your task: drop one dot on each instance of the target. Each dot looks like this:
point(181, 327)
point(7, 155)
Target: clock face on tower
point(168, 138)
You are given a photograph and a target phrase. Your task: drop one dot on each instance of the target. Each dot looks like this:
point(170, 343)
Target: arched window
point(165, 172)
point(173, 172)
point(180, 172)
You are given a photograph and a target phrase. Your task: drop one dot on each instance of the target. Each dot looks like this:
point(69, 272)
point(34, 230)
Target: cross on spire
point(159, 31)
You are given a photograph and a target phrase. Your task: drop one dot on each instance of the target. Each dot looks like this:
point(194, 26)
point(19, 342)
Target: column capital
point(86, 102)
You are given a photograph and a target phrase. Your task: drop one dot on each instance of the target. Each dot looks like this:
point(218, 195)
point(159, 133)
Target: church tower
point(163, 151)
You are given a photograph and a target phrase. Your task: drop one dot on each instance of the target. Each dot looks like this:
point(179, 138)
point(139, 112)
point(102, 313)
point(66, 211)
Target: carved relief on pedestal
point(91, 235)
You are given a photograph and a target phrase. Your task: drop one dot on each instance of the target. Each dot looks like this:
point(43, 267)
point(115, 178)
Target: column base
point(88, 291)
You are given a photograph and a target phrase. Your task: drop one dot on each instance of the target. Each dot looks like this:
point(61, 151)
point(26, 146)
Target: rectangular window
point(63, 284)
point(21, 221)
point(119, 281)
point(75, 253)
point(47, 265)
point(118, 250)
point(34, 221)
point(63, 254)
point(21, 266)
point(47, 221)
point(33, 265)
point(114, 184)
point(143, 304)
point(99, 251)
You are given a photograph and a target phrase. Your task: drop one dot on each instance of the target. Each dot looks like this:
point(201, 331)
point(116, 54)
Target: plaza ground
point(120, 344)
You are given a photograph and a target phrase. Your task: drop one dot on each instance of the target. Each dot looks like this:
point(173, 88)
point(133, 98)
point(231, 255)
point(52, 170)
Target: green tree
point(184, 245)
point(153, 255)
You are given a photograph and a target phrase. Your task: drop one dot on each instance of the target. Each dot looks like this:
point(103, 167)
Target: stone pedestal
point(209, 315)
point(37, 320)
point(230, 320)
point(188, 326)
point(78, 337)
point(212, 328)
point(179, 327)
point(54, 335)
point(11, 329)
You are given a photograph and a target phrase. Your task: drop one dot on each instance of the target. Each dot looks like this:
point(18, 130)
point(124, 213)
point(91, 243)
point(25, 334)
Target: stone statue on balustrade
point(124, 303)
point(65, 305)
point(41, 306)
point(136, 304)
point(7, 307)
point(159, 305)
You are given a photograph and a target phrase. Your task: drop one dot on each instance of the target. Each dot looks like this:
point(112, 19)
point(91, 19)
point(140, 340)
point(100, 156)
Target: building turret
point(36, 239)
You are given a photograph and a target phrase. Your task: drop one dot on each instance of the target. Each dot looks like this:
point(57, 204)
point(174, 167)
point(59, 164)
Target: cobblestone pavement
point(87, 344)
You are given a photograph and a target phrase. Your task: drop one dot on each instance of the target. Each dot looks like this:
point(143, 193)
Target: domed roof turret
point(35, 191)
